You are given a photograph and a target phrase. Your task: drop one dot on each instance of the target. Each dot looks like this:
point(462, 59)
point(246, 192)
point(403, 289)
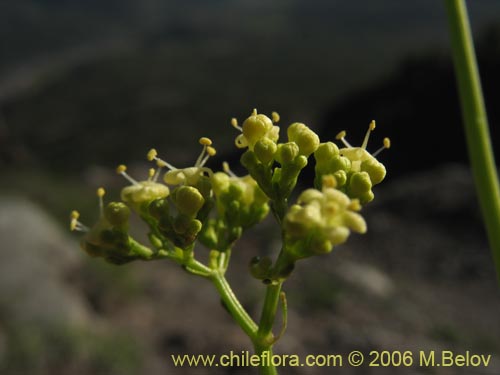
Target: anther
point(121, 169)
point(275, 117)
point(386, 145)
point(341, 136)
point(152, 155)
point(206, 152)
point(234, 124)
point(74, 224)
point(205, 141)
point(371, 128)
point(100, 194)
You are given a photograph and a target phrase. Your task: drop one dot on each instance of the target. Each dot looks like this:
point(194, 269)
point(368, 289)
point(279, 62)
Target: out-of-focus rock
point(35, 260)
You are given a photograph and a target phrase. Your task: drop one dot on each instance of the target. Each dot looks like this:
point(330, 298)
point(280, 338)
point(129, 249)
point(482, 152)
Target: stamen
point(275, 117)
point(152, 155)
point(151, 174)
point(226, 169)
point(158, 171)
point(387, 144)
point(371, 128)
point(210, 152)
point(206, 152)
point(234, 124)
point(74, 224)
point(121, 169)
point(341, 137)
point(100, 193)
point(201, 157)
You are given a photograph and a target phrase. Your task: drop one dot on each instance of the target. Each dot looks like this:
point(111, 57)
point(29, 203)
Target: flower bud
point(188, 200)
point(265, 149)
point(239, 200)
point(287, 152)
point(326, 152)
point(375, 169)
point(360, 186)
point(159, 208)
point(117, 214)
point(255, 128)
point(340, 178)
point(304, 137)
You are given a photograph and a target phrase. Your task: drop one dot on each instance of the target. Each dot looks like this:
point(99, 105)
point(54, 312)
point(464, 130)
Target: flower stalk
point(475, 123)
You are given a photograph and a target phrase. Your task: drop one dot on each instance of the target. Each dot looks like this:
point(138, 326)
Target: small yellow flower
point(140, 192)
point(255, 128)
point(361, 159)
point(191, 175)
point(320, 220)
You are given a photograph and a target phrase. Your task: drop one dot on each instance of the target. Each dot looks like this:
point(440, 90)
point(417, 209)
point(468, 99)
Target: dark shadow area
point(418, 108)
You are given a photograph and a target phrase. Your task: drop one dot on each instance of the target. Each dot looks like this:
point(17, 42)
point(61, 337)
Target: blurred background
point(87, 85)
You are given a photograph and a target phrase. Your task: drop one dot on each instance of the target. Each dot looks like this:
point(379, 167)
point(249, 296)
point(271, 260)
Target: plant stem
point(233, 305)
point(265, 338)
point(476, 123)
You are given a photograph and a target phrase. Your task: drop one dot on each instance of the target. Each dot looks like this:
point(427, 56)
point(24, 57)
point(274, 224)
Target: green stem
point(233, 305)
point(269, 310)
point(265, 339)
point(476, 123)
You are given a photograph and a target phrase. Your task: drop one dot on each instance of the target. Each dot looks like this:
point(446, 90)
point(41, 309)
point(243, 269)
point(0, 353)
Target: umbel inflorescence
point(196, 203)
point(185, 206)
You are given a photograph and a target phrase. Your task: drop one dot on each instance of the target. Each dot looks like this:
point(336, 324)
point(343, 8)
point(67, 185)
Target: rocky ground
point(420, 279)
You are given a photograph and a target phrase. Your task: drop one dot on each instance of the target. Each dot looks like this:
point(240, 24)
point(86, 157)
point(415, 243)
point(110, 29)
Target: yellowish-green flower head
point(108, 237)
point(231, 191)
point(244, 187)
point(140, 192)
point(255, 128)
point(190, 175)
point(321, 219)
point(363, 161)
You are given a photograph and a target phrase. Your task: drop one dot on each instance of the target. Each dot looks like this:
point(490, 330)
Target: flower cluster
point(355, 170)
point(320, 220)
point(184, 205)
